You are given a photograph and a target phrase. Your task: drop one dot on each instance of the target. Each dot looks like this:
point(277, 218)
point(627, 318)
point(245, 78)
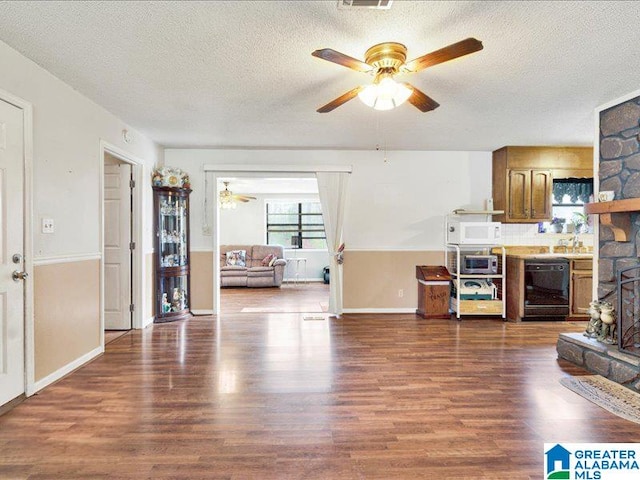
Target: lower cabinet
point(581, 287)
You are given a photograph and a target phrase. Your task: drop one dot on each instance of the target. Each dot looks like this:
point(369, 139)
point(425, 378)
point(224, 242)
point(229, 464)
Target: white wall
point(67, 130)
point(67, 157)
point(398, 204)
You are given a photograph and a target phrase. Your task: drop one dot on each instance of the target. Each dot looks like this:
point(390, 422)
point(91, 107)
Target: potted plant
point(557, 224)
point(580, 220)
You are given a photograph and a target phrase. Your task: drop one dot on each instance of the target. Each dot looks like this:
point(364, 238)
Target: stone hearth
point(599, 358)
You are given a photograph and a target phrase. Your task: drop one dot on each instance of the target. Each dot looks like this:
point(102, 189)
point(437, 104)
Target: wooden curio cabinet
point(171, 226)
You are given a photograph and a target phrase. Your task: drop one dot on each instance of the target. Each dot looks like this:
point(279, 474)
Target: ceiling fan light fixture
point(385, 94)
point(227, 204)
point(226, 198)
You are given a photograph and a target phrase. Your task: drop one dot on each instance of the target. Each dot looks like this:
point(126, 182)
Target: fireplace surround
point(618, 280)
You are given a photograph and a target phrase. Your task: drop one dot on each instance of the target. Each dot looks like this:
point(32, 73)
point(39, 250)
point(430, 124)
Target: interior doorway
point(118, 246)
point(273, 210)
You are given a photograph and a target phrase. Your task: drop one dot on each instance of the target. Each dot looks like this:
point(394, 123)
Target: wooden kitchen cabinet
point(528, 195)
point(581, 288)
point(581, 280)
point(522, 179)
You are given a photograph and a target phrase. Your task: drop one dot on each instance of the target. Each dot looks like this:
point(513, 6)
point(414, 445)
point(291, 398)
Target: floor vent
point(311, 318)
point(375, 4)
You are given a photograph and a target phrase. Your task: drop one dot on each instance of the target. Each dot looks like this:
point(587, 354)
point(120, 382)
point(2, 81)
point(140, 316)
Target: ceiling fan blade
point(421, 101)
point(244, 198)
point(341, 59)
point(445, 54)
point(340, 100)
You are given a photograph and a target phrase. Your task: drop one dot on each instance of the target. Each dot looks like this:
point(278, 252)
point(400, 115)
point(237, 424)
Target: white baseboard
point(308, 280)
point(147, 322)
point(202, 312)
point(379, 310)
point(61, 372)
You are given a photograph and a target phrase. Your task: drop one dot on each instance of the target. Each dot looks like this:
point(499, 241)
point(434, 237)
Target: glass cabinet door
point(173, 294)
point(172, 231)
point(171, 253)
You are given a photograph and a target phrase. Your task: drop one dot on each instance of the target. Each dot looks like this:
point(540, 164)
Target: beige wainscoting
point(372, 279)
point(201, 280)
point(66, 313)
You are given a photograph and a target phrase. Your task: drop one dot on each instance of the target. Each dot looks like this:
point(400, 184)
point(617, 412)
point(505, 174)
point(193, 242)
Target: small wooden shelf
point(616, 215)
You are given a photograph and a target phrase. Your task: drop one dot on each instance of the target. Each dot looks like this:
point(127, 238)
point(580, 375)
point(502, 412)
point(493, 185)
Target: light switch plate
point(47, 225)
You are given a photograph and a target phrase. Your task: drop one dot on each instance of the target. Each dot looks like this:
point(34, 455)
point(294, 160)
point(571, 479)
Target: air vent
point(375, 4)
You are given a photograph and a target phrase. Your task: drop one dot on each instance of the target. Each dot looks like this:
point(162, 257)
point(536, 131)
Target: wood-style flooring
point(278, 397)
point(289, 298)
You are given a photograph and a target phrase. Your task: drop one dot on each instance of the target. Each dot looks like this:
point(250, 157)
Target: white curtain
point(332, 187)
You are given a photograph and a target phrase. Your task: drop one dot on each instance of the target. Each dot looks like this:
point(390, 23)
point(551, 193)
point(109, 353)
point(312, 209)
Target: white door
point(12, 382)
point(117, 241)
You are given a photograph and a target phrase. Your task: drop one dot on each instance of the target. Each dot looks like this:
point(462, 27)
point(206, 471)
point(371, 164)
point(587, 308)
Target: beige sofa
point(253, 273)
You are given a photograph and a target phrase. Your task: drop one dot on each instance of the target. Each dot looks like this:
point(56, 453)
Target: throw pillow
point(267, 260)
point(273, 260)
point(237, 258)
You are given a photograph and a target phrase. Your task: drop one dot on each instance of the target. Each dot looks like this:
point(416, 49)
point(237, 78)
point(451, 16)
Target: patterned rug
point(609, 395)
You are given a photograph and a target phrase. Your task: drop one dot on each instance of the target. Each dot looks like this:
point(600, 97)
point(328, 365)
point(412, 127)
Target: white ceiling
point(241, 74)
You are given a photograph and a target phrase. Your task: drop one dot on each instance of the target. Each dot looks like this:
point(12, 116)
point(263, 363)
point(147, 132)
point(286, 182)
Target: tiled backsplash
point(527, 234)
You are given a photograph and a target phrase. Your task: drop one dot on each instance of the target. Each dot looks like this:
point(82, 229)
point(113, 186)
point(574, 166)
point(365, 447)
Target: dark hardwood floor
point(289, 298)
point(278, 397)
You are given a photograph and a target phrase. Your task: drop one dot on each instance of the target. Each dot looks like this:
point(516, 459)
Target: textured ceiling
point(241, 74)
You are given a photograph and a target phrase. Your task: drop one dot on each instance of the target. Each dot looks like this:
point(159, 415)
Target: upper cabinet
point(529, 195)
point(523, 179)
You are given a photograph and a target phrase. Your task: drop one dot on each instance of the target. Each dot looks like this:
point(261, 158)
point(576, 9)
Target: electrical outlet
point(401, 293)
point(206, 230)
point(47, 225)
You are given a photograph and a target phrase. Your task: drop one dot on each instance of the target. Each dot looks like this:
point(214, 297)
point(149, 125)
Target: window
point(298, 225)
point(569, 197)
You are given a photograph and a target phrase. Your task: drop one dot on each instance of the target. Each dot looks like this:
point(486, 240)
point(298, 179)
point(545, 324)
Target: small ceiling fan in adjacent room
point(383, 62)
point(228, 199)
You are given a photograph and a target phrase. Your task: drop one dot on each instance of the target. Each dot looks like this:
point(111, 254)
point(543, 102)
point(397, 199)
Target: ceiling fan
point(228, 199)
point(386, 60)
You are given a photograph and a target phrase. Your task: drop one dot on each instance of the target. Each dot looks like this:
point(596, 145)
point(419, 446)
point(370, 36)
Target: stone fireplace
point(618, 264)
point(620, 173)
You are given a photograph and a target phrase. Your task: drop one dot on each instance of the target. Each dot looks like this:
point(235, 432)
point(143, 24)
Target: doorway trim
point(230, 169)
point(27, 198)
point(137, 267)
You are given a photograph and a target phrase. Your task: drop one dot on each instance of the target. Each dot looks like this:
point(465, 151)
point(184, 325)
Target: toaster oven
point(479, 264)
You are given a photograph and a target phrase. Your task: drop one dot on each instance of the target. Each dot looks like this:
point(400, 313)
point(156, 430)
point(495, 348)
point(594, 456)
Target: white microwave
point(474, 233)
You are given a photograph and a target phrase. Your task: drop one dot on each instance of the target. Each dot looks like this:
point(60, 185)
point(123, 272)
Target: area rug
point(609, 395)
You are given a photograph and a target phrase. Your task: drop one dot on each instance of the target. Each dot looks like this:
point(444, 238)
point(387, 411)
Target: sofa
point(261, 265)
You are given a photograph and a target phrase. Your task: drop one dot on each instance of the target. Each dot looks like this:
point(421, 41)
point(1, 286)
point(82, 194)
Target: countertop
point(543, 256)
point(529, 252)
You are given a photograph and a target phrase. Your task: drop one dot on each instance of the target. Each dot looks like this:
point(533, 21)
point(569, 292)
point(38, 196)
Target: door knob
point(17, 276)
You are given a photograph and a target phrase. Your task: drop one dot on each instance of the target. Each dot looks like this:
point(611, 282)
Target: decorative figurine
point(593, 328)
point(156, 178)
point(608, 318)
point(177, 300)
point(166, 306)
